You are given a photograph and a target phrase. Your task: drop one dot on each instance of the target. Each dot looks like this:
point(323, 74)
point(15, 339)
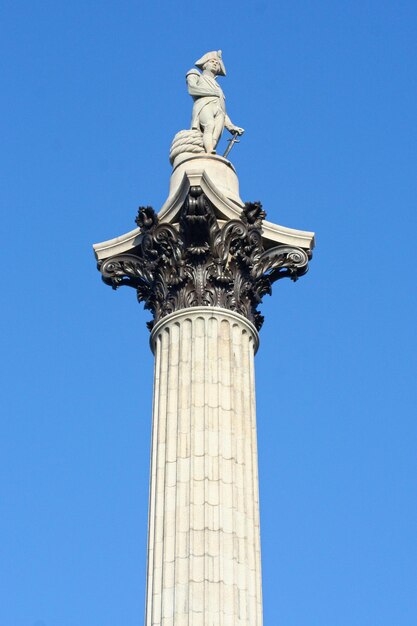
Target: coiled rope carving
point(186, 141)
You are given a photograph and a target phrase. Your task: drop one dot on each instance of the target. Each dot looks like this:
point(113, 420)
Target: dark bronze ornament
point(201, 262)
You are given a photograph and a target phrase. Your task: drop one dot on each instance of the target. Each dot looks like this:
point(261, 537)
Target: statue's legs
point(218, 128)
point(212, 123)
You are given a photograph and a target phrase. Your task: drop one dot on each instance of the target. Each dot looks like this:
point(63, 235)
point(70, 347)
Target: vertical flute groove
point(255, 482)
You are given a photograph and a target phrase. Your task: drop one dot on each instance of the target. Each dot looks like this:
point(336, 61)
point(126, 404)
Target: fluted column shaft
point(204, 547)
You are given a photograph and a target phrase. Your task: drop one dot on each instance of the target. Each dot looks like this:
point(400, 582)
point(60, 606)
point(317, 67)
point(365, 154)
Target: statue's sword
point(232, 142)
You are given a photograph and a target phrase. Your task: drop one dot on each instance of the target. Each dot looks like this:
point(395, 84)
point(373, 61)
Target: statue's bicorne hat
point(216, 54)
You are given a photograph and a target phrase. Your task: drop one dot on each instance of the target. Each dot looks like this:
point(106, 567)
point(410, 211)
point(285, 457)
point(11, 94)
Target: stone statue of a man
point(209, 111)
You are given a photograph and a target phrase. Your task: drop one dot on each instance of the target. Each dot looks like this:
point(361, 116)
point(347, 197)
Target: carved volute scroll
point(201, 262)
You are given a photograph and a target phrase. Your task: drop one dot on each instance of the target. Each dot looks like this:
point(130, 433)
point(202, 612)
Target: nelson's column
point(202, 265)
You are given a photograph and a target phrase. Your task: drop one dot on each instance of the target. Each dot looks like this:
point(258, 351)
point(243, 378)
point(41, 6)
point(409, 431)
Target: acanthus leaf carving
point(202, 263)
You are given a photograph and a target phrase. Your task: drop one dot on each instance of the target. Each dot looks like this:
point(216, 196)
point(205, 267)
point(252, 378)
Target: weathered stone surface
point(204, 565)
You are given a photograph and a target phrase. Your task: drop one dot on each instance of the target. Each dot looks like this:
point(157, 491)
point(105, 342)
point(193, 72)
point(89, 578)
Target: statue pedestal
point(218, 170)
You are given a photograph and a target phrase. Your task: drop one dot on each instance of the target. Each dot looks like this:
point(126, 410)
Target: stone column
point(204, 566)
point(201, 266)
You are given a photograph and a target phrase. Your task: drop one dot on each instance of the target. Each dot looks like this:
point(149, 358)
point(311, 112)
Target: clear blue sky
point(92, 94)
